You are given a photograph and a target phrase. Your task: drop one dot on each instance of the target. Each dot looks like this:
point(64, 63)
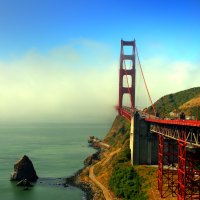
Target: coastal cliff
point(109, 173)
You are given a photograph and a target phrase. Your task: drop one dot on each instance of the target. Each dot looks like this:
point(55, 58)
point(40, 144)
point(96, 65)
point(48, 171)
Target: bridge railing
point(178, 122)
point(126, 112)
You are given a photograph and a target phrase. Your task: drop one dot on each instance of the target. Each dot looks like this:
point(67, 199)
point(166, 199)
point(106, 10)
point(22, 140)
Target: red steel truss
point(188, 183)
point(189, 134)
point(181, 169)
point(188, 172)
point(167, 169)
point(160, 163)
point(192, 190)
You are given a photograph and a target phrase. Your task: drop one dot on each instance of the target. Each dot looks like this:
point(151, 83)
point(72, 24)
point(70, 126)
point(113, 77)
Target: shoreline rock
point(85, 186)
point(24, 169)
point(92, 158)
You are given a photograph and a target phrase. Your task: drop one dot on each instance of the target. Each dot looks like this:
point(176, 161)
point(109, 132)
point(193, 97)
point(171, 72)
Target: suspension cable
point(145, 80)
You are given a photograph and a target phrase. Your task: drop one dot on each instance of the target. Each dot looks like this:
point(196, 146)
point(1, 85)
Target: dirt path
point(92, 176)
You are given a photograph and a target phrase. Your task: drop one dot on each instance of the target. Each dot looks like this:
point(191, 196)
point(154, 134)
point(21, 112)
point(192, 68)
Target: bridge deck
point(127, 113)
point(179, 122)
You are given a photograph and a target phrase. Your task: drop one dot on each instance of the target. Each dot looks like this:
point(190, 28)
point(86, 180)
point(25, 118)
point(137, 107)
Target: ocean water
point(57, 151)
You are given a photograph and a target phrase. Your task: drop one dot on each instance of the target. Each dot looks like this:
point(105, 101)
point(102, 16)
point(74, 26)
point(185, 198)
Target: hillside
point(109, 172)
point(112, 169)
point(186, 101)
point(127, 182)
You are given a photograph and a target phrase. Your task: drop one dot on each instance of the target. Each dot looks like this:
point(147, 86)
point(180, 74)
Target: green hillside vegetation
point(186, 101)
point(124, 180)
point(119, 132)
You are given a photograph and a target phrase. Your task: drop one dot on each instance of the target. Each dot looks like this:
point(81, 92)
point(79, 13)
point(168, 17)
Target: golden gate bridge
point(178, 140)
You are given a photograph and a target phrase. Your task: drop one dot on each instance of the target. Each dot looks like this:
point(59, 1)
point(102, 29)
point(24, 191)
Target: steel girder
point(187, 141)
point(191, 135)
point(167, 169)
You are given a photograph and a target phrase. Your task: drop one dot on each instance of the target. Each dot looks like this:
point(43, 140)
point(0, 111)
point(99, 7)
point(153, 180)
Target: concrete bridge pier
point(143, 144)
point(132, 139)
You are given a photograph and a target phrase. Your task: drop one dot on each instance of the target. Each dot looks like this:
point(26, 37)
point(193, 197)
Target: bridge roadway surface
point(126, 112)
point(193, 123)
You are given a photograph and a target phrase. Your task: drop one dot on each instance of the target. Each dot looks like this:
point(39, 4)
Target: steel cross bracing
point(178, 159)
point(189, 134)
point(167, 170)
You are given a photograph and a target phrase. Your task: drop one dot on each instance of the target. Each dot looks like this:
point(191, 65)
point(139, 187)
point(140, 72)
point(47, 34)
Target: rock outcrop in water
point(24, 169)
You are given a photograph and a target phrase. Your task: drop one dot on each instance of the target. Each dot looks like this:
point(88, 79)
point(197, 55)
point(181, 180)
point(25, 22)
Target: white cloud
point(60, 86)
point(165, 77)
point(78, 82)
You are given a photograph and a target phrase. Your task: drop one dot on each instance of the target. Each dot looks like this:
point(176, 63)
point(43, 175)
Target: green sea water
point(57, 151)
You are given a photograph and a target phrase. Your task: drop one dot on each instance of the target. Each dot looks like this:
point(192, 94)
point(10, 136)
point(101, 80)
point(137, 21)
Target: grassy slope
point(117, 137)
point(119, 133)
point(186, 101)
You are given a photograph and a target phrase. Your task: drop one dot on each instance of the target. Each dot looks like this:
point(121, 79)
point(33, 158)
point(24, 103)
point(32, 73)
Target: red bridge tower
point(123, 71)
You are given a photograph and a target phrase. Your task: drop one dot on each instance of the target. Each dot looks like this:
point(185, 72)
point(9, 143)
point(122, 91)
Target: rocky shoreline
point(86, 187)
point(76, 180)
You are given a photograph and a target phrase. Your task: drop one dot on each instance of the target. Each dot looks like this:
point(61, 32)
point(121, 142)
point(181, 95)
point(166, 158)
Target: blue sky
point(49, 23)
point(44, 39)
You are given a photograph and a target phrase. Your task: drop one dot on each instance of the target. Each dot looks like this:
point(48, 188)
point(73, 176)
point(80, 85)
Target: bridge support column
point(132, 139)
point(167, 170)
point(181, 169)
point(170, 179)
point(139, 142)
point(192, 188)
point(160, 163)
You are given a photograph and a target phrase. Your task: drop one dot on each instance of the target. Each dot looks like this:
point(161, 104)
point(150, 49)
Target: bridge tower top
point(124, 73)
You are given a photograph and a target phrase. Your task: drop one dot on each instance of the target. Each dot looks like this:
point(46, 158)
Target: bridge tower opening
point(128, 72)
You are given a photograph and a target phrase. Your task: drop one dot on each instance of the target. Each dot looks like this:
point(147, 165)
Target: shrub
point(126, 183)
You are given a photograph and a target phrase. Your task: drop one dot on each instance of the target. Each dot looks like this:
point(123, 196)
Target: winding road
point(92, 176)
